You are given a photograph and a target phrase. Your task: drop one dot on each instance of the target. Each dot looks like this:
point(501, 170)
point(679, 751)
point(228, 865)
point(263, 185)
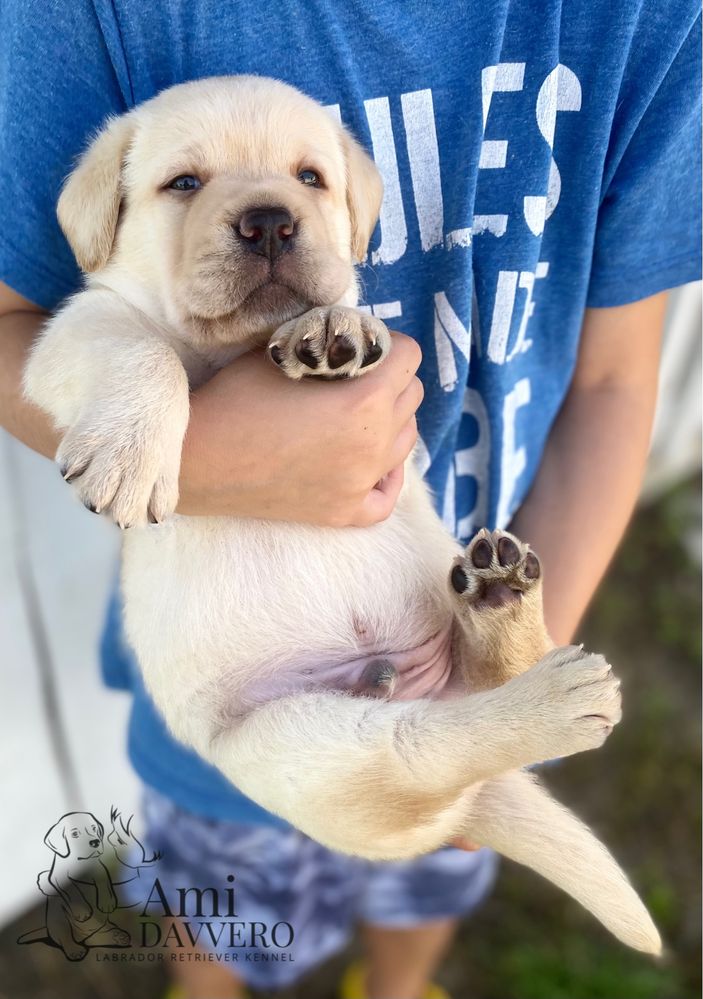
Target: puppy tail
point(516, 817)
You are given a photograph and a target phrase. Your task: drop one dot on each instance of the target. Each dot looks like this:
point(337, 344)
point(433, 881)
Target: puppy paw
point(572, 699)
point(495, 571)
point(126, 469)
point(334, 342)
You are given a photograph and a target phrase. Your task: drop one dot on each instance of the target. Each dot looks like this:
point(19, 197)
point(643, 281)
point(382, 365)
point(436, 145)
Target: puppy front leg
point(119, 390)
point(384, 779)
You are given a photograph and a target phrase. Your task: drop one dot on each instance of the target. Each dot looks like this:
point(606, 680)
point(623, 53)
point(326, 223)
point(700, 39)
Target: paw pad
point(532, 566)
point(495, 571)
point(335, 342)
point(508, 552)
point(340, 352)
point(482, 554)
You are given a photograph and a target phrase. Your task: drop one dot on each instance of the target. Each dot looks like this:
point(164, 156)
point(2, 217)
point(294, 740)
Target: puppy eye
point(186, 182)
point(310, 178)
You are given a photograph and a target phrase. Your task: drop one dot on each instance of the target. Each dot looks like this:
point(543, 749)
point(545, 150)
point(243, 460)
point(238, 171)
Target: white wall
point(62, 734)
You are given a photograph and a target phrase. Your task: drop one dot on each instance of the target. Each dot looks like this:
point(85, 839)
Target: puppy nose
point(94, 842)
point(268, 231)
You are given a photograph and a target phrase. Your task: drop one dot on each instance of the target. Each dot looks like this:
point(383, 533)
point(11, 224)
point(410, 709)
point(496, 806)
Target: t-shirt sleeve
point(648, 236)
point(58, 85)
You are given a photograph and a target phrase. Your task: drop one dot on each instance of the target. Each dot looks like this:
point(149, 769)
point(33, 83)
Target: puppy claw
point(275, 353)
point(126, 471)
point(69, 473)
point(372, 354)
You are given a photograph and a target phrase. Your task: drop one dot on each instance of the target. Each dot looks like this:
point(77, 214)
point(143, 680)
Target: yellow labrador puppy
point(396, 709)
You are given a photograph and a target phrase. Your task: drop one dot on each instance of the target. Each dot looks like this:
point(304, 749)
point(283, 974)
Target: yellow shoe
point(352, 985)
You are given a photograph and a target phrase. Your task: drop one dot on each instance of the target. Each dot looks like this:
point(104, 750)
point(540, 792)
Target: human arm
point(592, 468)
point(20, 322)
point(259, 444)
point(594, 461)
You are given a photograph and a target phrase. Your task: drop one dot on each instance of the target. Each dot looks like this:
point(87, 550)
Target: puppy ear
point(364, 194)
point(90, 200)
point(56, 840)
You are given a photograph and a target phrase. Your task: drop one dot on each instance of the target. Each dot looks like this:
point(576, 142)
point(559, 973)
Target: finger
point(400, 366)
point(403, 444)
point(380, 501)
point(408, 402)
point(464, 844)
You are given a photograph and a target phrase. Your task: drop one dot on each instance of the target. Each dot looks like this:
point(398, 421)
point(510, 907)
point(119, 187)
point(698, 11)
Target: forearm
point(258, 444)
point(584, 494)
point(593, 465)
point(18, 416)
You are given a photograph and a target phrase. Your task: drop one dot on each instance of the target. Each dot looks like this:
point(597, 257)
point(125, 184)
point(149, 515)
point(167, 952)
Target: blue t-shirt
point(537, 159)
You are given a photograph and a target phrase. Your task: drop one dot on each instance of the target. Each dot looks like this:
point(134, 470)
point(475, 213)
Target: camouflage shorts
point(284, 884)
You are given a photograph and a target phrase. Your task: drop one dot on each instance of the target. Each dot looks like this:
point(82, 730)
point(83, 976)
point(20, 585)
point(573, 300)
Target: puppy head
point(78, 834)
point(234, 204)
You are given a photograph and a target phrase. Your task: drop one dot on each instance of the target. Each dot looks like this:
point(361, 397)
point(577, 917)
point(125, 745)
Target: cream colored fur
point(215, 607)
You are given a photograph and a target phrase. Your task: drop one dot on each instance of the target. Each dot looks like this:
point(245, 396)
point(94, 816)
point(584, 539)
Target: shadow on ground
point(641, 793)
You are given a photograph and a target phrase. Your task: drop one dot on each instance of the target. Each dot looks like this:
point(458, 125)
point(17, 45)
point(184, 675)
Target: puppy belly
point(225, 615)
point(424, 671)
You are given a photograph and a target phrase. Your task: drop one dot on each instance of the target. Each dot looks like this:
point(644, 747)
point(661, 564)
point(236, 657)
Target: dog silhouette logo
point(87, 883)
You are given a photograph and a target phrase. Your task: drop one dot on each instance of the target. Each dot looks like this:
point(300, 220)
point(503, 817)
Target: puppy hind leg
point(514, 815)
point(496, 590)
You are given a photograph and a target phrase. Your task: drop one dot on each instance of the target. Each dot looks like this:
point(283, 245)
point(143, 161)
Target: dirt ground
point(641, 793)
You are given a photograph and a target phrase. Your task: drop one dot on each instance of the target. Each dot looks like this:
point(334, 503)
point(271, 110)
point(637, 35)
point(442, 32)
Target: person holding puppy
point(538, 204)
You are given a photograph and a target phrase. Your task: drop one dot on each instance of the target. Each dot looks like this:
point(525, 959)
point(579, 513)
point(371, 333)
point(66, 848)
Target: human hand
point(312, 451)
